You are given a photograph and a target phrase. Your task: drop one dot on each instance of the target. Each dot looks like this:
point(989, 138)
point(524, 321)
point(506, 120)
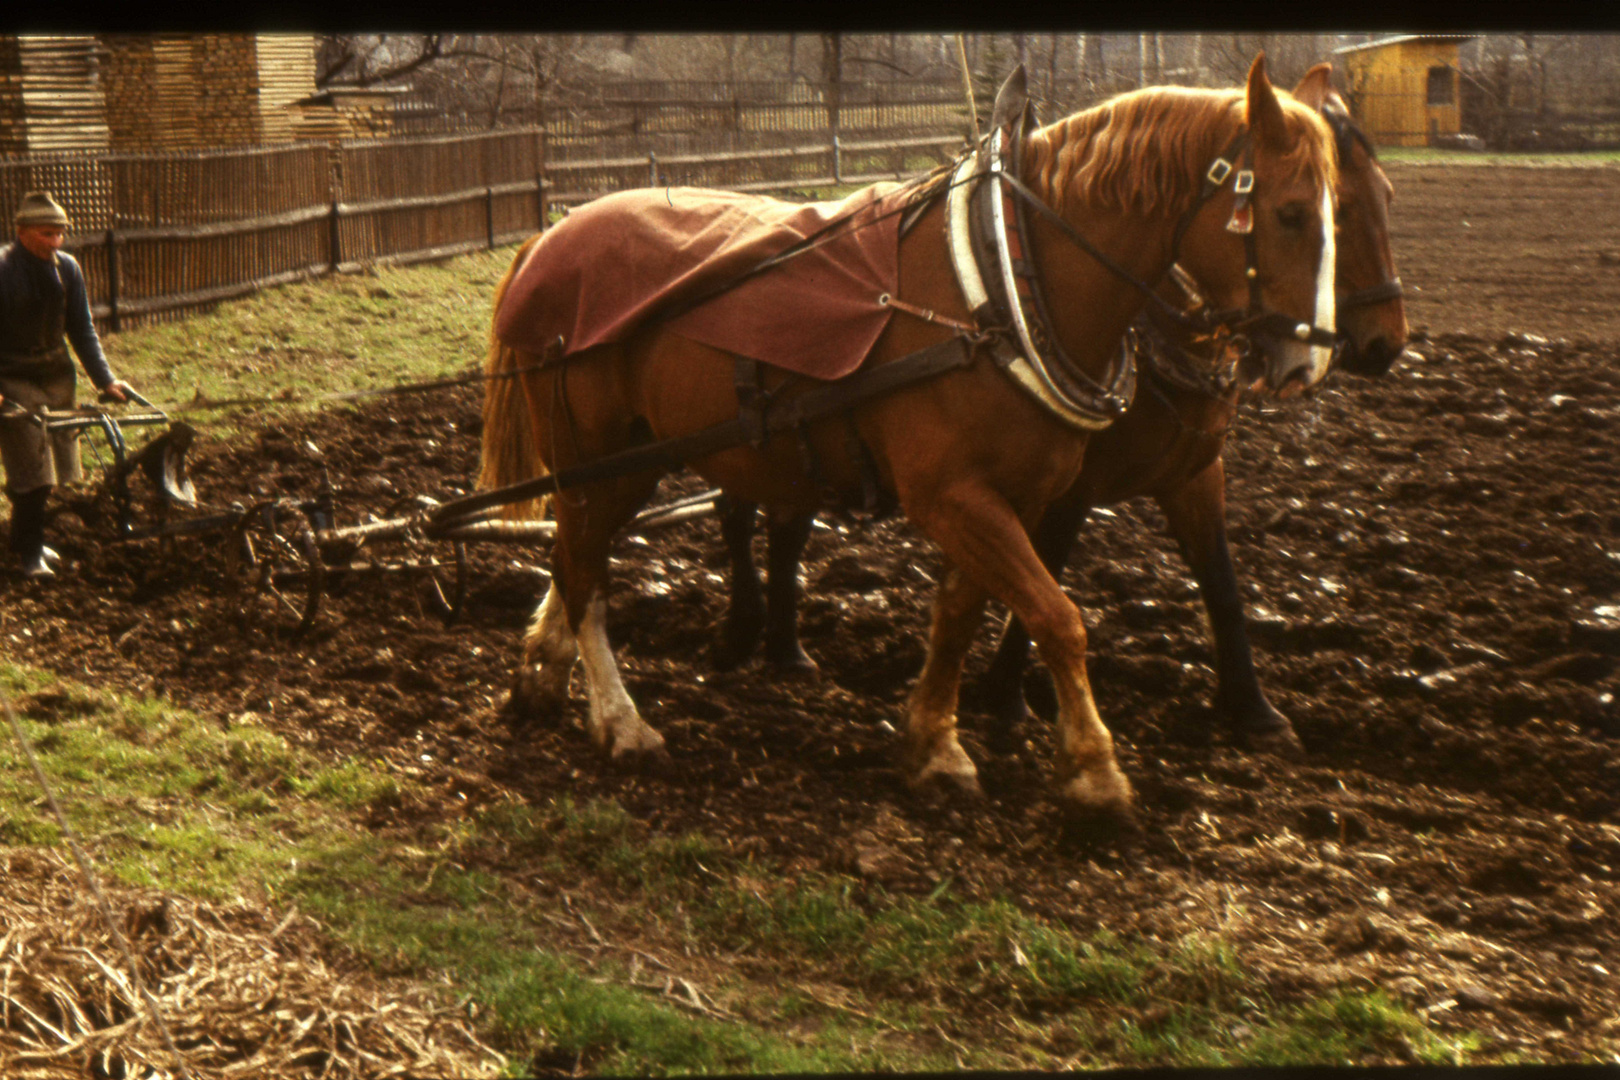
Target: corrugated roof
point(1403, 38)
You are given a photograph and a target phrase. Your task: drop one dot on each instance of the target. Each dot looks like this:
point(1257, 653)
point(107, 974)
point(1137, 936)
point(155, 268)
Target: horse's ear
point(1265, 113)
point(1010, 100)
point(1316, 87)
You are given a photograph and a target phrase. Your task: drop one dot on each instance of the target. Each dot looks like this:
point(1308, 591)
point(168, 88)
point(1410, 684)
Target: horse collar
point(987, 241)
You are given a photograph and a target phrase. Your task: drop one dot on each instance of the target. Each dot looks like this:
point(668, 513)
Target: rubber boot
point(28, 532)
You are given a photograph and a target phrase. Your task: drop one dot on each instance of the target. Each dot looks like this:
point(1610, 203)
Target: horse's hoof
point(795, 668)
point(536, 690)
point(941, 789)
point(654, 762)
point(1102, 795)
point(1282, 742)
point(948, 775)
point(629, 743)
point(1260, 728)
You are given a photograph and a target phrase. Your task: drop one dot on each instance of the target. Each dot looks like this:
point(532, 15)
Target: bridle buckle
point(1219, 170)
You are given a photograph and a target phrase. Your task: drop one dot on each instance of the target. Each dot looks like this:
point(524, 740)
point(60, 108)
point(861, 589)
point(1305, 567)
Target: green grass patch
point(366, 331)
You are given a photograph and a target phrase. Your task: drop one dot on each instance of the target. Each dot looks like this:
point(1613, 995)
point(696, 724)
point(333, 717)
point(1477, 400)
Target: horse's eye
point(1293, 216)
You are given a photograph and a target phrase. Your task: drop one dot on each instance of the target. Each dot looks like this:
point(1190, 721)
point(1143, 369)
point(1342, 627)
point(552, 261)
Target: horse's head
point(1372, 319)
point(1262, 248)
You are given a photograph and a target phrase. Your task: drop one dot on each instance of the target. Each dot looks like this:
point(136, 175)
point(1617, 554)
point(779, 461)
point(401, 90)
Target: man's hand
point(118, 390)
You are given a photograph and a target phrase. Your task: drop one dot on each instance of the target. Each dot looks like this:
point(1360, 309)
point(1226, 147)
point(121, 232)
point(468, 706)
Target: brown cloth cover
point(616, 262)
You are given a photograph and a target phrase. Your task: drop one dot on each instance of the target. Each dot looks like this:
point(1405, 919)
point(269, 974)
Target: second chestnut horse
point(1167, 446)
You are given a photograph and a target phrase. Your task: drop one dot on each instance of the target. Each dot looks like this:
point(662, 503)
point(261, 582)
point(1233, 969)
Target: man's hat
point(38, 208)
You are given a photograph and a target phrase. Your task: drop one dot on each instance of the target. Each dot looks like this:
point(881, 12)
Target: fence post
point(540, 180)
point(838, 161)
point(489, 215)
point(113, 325)
point(652, 169)
point(334, 237)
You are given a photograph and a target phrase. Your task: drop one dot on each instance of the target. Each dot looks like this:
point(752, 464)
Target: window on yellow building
point(1442, 85)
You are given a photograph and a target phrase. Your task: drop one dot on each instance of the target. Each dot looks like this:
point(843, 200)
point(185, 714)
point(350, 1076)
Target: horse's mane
point(1145, 152)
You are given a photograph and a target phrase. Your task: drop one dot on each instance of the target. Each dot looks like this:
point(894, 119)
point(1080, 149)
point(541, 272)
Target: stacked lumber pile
point(369, 111)
point(286, 64)
point(129, 79)
point(226, 70)
point(13, 132)
point(51, 95)
point(183, 91)
point(319, 121)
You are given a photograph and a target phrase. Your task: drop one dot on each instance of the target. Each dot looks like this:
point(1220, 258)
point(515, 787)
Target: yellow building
point(1403, 90)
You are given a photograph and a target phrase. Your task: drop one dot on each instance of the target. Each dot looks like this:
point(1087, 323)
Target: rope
point(207, 404)
point(95, 886)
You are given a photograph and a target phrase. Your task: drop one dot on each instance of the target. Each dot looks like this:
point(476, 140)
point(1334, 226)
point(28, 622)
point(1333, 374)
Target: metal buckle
point(1219, 170)
point(1244, 182)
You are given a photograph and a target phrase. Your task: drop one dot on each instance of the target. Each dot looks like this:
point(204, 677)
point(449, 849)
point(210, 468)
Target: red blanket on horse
point(625, 258)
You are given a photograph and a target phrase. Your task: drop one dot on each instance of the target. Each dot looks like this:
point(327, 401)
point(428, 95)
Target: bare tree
point(368, 59)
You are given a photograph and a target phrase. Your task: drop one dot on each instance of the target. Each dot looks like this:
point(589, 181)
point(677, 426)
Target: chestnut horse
point(1117, 194)
point(1167, 446)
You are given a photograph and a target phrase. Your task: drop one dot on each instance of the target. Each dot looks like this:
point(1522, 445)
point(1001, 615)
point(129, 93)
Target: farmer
point(42, 296)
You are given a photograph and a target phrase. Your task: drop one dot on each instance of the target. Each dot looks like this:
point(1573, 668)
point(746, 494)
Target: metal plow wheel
point(396, 546)
point(275, 563)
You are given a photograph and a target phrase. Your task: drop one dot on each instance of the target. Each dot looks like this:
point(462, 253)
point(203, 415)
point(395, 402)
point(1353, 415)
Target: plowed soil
point(1432, 565)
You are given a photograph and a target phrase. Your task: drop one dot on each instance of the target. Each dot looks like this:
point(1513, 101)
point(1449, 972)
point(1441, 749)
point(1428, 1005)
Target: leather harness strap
point(948, 355)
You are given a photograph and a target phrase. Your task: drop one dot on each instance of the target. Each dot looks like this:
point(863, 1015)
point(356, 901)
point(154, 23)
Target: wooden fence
point(163, 234)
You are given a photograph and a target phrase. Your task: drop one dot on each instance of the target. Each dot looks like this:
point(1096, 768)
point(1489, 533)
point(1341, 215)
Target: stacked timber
point(174, 96)
point(183, 91)
point(286, 64)
point(130, 83)
point(369, 110)
point(51, 96)
point(227, 80)
point(13, 129)
point(319, 121)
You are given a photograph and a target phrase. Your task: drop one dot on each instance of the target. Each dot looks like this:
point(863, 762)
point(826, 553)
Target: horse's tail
point(510, 450)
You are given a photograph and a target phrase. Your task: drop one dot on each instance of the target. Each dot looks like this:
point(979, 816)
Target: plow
point(291, 551)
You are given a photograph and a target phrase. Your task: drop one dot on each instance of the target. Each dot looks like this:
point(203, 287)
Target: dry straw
point(85, 993)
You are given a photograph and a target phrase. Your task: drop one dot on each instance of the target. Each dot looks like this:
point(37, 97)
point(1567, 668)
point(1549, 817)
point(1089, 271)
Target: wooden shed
point(1403, 90)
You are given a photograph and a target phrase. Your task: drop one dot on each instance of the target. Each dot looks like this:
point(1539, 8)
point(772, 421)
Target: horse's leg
point(1003, 684)
point(978, 531)
point(549, 652)
point(739, 635)
point(1196, 512)
point(934, 756)
point(787, 536)
point(586, 525)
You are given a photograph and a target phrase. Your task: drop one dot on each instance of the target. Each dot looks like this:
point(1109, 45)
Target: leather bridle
point(1255, 319)
point(1346, 136)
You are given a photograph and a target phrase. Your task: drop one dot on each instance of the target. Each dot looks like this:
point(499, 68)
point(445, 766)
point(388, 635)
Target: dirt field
point(1432, 562)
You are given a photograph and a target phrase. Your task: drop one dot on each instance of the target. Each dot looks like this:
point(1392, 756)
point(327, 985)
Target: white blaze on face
point(1322, 356)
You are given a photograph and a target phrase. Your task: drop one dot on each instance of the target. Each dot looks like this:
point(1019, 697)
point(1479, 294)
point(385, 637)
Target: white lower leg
point(1088, 773)
point(615, 725)
point(549, 648)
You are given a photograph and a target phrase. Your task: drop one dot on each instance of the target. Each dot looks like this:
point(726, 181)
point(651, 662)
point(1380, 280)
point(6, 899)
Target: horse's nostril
point(1373, 358)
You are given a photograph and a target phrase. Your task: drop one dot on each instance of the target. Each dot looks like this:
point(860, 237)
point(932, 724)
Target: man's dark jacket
point(39, 302)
